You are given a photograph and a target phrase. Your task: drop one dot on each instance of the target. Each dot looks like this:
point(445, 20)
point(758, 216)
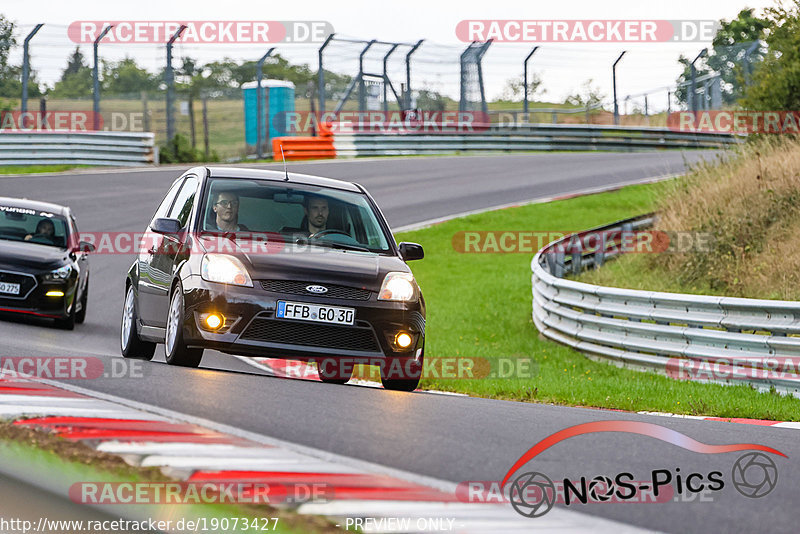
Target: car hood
point(315, 264)
point(30, 257)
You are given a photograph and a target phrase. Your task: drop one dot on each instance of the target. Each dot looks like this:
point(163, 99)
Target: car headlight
point(400, 287)
point(224, 269)
point(62, 273)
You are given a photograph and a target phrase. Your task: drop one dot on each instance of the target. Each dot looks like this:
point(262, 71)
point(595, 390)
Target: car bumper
point(37, 303)
point(251, 328)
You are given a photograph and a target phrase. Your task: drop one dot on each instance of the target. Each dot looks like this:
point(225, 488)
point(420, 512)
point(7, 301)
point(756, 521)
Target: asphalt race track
point(447, 437)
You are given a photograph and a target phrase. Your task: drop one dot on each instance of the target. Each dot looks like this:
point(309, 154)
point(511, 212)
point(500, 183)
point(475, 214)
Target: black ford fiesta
point(271, 264)
point(44, 269)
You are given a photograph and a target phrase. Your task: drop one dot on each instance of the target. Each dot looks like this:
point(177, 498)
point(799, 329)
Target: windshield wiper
point(332, 244)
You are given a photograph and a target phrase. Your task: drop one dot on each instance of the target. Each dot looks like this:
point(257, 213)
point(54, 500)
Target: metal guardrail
point(706, 338)
point(527, 138)
point(79, 148)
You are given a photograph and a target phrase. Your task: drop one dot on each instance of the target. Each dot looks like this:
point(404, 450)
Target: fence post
point(362, 88)
point(260, 103)
point(205, 127)
point(386, 78)
point(26, 66)
point(614, 81)
point(321, 75)
point(525, 82)
point(43, 110)
point(96, 80)
point(693, 71)
point(170, 79)
point(408, 73)
point(145, 112)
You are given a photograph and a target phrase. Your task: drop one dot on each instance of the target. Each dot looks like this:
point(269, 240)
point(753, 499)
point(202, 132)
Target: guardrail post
point(576, 253)
point(170, 79)
point(600, 254)
point(26, 66)
point(96, 80)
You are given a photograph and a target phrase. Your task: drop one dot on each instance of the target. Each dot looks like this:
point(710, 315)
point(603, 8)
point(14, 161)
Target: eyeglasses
point(228, 203)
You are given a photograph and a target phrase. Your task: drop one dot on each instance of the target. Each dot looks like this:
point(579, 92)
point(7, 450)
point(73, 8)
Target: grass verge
point(479, 305)
point(35, 169)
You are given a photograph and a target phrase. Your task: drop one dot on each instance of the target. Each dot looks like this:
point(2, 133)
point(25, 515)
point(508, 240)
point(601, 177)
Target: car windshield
point(33, 226)
point(299, 213)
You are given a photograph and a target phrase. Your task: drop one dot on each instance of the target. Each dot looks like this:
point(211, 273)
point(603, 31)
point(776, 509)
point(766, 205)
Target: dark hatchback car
point(44, 269)
point(266, 264)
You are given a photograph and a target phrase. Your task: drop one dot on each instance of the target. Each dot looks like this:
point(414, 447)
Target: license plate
point(10, 289)
point(313, 312)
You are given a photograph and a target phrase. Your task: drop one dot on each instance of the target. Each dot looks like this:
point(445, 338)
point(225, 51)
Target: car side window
point(163, 208)
point(182, 207)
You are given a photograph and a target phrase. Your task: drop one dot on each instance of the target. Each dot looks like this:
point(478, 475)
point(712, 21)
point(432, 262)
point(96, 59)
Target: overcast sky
point(562, 66)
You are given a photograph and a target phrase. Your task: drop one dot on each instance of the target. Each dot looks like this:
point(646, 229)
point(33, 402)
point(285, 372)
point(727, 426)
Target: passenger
point(227, 209)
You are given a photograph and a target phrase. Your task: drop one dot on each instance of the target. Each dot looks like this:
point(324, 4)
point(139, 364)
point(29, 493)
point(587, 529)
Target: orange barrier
point(296, 148)
point(305, 147)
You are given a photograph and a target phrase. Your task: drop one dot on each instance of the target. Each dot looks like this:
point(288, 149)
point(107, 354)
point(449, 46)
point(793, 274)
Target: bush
point(179, 150)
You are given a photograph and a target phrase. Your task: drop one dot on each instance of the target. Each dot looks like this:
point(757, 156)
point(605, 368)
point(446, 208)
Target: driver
point(45, 229)
point(316, 210)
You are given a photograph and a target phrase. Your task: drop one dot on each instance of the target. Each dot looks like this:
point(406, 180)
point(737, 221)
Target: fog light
point(54, 294)
point(403, 340)
point(214, 321)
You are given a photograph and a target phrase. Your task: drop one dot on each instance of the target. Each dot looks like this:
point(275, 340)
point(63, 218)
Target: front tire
point(401, 374)
point(175, 349)
point(80, 317)
point(334, 371)
point(68, 322)
point(131, 344)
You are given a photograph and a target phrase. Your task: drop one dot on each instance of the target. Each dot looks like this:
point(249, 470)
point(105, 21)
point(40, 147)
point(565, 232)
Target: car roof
point(280, 176)
point(33, 205)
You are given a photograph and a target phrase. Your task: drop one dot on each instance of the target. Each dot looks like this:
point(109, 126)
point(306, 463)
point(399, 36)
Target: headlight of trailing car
point(62, 273)
point(400, 287)
point(224, 269)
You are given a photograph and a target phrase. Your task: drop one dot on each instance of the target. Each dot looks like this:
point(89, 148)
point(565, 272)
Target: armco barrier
point(719, 339)
point(527, 138)
point(79, 148)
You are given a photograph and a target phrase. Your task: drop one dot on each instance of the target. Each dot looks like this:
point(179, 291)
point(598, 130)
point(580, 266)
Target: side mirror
point(166, 226)
point(411, 251)
point(84, 246)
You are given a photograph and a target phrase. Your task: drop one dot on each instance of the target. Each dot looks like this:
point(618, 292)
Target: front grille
point(26, 281)
point(299, 288)
point(357, 338)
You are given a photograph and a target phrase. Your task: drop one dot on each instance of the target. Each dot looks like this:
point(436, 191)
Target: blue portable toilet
point(277, 99)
